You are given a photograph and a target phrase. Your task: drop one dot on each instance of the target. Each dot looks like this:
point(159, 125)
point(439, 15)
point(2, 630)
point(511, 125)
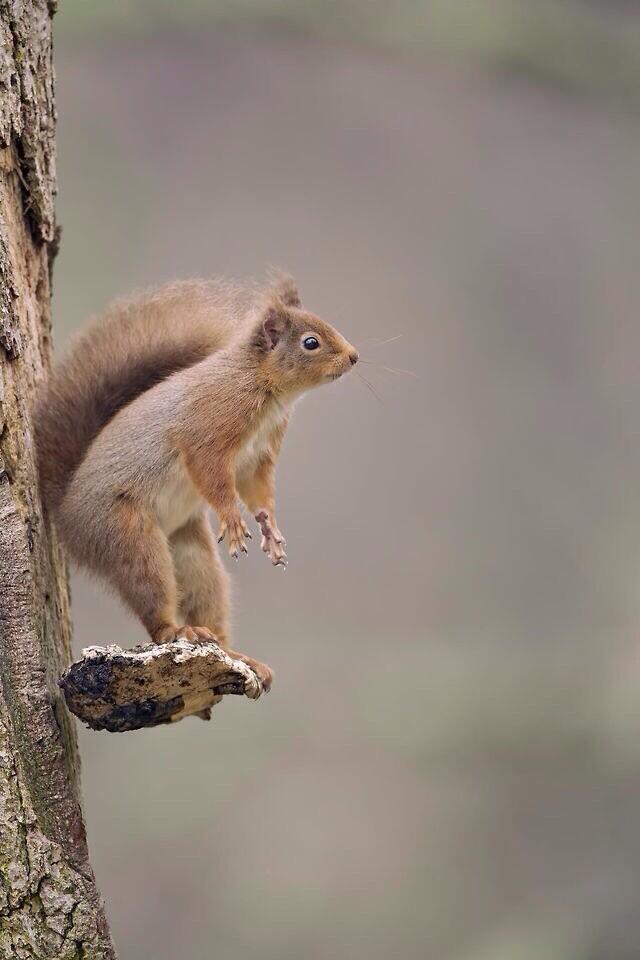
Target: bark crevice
point(50, 908)
point(27, 107)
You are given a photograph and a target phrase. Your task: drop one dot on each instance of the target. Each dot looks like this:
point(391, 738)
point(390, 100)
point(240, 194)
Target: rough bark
point(114, 689)
point(49, 905)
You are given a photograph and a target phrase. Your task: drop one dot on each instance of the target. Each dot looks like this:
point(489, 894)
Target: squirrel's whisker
point(381, 343)
point(368, 385)
point(407, 373)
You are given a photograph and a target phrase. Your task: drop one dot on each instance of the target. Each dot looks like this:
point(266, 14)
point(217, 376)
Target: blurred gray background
point(449, 764)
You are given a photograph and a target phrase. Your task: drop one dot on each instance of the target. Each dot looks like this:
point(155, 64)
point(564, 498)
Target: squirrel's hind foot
point(169, 633)
point(264, 672)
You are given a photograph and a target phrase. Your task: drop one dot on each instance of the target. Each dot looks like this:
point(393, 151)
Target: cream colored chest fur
point(177, 500)
point(250, 454)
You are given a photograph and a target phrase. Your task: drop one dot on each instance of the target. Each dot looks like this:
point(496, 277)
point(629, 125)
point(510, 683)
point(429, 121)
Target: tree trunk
point(49, 905)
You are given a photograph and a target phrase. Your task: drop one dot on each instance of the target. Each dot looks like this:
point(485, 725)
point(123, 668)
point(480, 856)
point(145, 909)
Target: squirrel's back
point(134, 345)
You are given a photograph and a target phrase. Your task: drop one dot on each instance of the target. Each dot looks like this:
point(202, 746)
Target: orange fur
point(175, 401)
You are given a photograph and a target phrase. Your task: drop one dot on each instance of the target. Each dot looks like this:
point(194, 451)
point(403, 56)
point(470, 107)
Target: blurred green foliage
point(585, 46)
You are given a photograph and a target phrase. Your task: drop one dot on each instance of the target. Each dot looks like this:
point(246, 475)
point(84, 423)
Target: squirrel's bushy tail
point(135, 345)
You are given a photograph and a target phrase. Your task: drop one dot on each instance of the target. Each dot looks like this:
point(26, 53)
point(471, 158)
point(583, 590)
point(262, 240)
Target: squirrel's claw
point(235, 529)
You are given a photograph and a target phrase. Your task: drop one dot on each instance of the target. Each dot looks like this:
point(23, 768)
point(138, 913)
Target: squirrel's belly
point(249, 456)
point(177, 500)
point(258, 443)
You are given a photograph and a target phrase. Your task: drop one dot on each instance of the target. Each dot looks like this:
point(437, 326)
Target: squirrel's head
point(297, 349)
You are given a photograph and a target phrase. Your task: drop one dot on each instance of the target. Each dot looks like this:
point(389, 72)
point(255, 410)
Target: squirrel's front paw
point(273, 543)
point(236, 531)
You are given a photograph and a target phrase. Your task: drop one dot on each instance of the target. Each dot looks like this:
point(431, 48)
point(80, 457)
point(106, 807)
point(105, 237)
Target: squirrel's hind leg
point(138, 563)
point(203, 585)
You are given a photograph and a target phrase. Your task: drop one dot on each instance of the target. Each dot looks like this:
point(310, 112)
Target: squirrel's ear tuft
point(273, 324)
point(283, 286)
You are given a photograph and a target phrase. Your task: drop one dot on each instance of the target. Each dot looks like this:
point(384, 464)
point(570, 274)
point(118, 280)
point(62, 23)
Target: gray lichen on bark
point(49, 905)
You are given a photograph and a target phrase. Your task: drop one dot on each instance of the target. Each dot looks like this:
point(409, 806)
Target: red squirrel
point(173, 402)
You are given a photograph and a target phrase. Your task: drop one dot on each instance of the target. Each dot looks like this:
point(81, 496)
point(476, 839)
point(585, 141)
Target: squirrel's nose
point(353, 356)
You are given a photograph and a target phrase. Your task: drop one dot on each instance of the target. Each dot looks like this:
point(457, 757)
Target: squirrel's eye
point(311, 343)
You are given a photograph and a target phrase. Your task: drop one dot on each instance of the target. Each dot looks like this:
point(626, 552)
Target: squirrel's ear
point(272, 326)
point(287, 291)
